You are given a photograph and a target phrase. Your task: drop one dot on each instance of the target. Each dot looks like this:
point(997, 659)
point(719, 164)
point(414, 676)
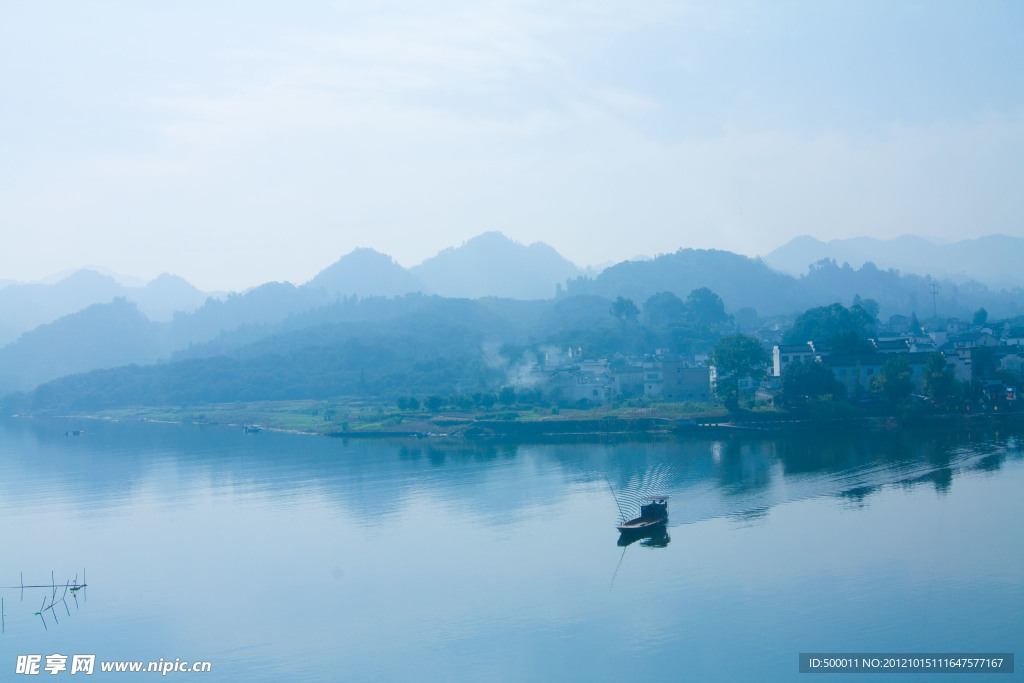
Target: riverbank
point(360, 421)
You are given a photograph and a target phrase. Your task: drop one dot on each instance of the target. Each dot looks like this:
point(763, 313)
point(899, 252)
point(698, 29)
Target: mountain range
point(26, 306)
point(89, 321)
point(994, 260)
point(491, 264)
point(487, 265)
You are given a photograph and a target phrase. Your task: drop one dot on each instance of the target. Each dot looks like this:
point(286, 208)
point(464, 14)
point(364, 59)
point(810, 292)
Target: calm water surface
point(287, 557)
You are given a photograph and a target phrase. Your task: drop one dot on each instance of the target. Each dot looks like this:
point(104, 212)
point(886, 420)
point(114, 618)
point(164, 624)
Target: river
point(292, 557)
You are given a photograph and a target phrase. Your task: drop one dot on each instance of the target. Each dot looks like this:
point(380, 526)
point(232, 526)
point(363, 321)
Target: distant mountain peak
point(123, 280)
point(365, 272)
point(493, 264)
point(86, 275)
point(366, 252)
point(805, 239)
point(165, 295)
point(495, 239)
point(493, 236)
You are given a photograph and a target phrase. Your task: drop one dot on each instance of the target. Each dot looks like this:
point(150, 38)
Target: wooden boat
point(652, 537)
point(653, 513)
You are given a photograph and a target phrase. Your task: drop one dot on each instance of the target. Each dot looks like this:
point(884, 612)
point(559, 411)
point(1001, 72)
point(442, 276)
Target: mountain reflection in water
point(289, 557)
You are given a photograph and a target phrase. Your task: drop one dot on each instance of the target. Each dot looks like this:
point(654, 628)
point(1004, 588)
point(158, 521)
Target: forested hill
point(100, 336)
point(993, 260)
point(280, 340)
point(743, 282)
point(378, 346)
point(24, 307)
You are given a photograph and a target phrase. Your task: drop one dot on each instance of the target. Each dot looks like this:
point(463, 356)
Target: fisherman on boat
point(653, 512)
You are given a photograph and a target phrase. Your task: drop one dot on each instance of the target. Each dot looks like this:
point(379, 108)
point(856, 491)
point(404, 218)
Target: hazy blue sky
point(239, 142)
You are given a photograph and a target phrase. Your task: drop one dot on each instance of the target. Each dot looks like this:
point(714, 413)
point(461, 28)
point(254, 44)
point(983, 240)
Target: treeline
point(506, 397)
point(280, 342)
point(352, 367)
point(386, 348)
point(750, 283)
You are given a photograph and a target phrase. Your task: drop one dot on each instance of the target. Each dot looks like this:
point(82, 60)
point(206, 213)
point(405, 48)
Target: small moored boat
point(653, 513)
point(652, 537)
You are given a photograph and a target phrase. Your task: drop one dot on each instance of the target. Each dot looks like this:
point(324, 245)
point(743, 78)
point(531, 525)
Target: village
point(989, 358)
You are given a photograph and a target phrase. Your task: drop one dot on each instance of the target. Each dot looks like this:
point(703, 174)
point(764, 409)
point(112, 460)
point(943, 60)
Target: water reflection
point(387, 559)
point(738, 477)
point(656, 537)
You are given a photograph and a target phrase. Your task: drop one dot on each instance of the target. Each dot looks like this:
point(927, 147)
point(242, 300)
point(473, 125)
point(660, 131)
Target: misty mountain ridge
point(75, 321)
point(994, 260)
point(491, 264)
point(99, 336)
point(366, 272)
point(740, 281)
point(124, 329)
point(26, 306)
point(746, 283)
point(119, 278)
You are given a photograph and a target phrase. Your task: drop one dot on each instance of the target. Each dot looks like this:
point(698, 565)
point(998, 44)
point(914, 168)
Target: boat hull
point(641, 525)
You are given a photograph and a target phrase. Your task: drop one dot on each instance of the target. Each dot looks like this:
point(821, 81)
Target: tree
point(869, 306)
point(734, 358)
point(939, 383)
point(915, 325)
point(507, 396)
point(893, 382)
point(705, 307)
point(434, 402)
point(663, 308)
point(850, 344)
point(802, 380)
point(826, 323)
point(408, 403)
point(980, 317)
point(625, 310)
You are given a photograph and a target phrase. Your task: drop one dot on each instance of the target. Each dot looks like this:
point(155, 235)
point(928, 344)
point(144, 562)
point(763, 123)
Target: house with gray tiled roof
point(857, 369)
point(783, 355)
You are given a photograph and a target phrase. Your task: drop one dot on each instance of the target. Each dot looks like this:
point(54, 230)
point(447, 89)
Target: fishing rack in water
point(69, 588)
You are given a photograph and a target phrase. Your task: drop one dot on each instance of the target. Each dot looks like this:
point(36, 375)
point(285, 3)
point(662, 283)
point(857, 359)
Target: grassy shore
point(362, 418)
point(357, 419)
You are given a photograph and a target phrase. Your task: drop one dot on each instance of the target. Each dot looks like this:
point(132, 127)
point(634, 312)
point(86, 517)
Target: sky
point(235, 143)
